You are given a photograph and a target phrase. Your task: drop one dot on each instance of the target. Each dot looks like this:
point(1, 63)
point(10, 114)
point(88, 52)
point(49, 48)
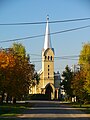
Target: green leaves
point(84, 61)
point(67, 75)
point(19, 49)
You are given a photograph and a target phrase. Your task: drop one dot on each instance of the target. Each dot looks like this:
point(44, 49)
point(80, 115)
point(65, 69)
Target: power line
point(34, 61)
point(69, 30)
point(19, 39)
point(65, 56)
point(58, 58)
point(36, 23)
point(53, 33)
point(35, 54)
point(72, 57)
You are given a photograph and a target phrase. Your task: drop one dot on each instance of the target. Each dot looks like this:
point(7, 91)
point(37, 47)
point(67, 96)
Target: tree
point(67, 75)
point(6, 64)
point(19, 49)
point(22, 74)
point(77, 85)
point(16, 74)
point(84, 61)
point(85, 54)
point(36, 78)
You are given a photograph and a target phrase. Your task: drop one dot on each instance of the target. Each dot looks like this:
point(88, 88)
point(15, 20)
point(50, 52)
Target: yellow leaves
point(85, 54)
point(16, 73)
point(6, 60)
point(11, 60)
point(84, 60)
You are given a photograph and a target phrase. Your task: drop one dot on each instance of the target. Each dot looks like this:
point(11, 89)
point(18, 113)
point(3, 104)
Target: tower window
point(48, 75)
point(51, 57)
point(48, 69)
point(48, 57)
point(48, 66)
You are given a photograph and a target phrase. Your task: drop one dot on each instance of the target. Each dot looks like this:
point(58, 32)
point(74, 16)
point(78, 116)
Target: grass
point(8, 118)
point(13, 109)
point(84, 107)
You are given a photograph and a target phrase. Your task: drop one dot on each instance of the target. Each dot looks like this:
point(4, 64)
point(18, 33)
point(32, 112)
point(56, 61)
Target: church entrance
point(49, 92)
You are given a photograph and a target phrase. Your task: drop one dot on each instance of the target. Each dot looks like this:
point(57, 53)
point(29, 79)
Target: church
point(49, 83)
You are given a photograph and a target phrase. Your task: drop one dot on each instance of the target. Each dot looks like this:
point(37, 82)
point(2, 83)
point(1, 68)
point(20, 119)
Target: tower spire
point(47, 42)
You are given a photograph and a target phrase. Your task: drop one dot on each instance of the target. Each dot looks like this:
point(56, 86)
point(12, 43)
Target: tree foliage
point(67, 78)
point(78, 85)
point(16, 72)
point(85, 54)
point(84, 61)
point(19, 49)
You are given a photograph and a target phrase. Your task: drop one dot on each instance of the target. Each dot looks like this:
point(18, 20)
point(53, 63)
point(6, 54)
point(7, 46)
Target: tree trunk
point(14, 100)
point(7, 98)
point(2, 98)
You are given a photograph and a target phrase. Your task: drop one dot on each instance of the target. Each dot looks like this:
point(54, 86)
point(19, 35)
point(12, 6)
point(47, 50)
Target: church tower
point(48, 61)
point(47, 84)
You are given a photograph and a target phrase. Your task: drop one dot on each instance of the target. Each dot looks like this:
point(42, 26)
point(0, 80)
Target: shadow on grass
point(13, 109)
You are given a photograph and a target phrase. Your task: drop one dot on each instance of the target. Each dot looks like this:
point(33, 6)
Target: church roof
point(47, 42)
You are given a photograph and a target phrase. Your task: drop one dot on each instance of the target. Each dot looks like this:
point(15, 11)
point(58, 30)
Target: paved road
point(52, 110)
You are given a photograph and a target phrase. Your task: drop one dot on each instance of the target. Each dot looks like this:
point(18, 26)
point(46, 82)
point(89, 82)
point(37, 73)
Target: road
point(53, 110)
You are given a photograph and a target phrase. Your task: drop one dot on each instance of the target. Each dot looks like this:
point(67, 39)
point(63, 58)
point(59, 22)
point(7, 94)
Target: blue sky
point(65, 44)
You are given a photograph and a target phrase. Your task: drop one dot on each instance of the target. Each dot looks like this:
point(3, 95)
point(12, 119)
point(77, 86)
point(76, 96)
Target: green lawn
point(8, 119)
point(84, 107)
point(13, 109)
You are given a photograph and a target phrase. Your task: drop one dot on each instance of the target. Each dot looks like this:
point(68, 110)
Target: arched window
point(51, 57)
point(48, 75)
point(48, 57)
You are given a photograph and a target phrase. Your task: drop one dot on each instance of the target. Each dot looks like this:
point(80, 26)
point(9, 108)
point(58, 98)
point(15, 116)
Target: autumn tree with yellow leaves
point(16, 72)
point(84, 62)
point(81, 79)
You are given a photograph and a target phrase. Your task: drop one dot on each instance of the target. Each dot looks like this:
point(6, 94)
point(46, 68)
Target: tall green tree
point(67, 78)
point(84, 61)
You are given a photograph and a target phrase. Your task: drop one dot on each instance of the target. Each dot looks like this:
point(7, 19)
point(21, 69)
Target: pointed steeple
point(47, 42)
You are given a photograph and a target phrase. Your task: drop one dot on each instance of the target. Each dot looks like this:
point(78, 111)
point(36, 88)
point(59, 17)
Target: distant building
point(75, 68)
point(49, 81)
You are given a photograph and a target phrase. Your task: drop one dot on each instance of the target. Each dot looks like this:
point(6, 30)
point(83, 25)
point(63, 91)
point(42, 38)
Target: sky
point(64, 44)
